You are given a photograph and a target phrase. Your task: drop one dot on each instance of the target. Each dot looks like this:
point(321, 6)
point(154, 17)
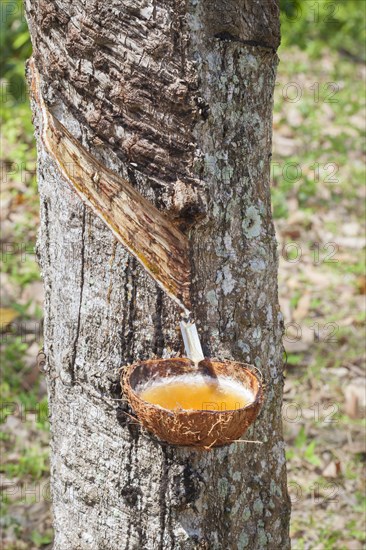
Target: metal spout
point(192, 343)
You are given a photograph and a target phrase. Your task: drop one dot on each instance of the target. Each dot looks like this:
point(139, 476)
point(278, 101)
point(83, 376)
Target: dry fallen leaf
point(361, 284)
point(333, 469)
point(7, 315)
point(352, 242)
point(355, 398)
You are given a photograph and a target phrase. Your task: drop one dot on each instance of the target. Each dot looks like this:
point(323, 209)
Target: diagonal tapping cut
point(161, 248)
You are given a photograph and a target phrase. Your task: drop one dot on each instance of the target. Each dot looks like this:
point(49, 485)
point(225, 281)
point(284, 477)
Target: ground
point(317, 194)
point(322, 294)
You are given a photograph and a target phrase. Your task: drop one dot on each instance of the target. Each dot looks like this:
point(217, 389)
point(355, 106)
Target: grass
point(323, 159)
point(33, 463)
point(41, 539)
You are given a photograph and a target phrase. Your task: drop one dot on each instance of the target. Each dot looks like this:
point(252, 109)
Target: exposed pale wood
point(154, 241)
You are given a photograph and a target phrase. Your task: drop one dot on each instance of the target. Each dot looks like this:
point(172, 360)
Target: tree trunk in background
point(177, 98)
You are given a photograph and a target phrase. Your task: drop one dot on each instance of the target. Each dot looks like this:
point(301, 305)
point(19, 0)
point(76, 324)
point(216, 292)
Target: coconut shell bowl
point(189, 427)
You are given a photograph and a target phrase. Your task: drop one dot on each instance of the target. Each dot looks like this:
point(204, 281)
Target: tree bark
point(176, 98)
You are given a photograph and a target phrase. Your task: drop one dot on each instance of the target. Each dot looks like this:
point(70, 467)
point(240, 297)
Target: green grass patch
point(32, 462)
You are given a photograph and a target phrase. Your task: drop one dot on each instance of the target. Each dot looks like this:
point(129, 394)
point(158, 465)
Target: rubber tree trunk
point(176, 97)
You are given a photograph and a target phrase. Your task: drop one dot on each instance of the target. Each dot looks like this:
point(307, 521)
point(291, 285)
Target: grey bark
point(177, 98)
